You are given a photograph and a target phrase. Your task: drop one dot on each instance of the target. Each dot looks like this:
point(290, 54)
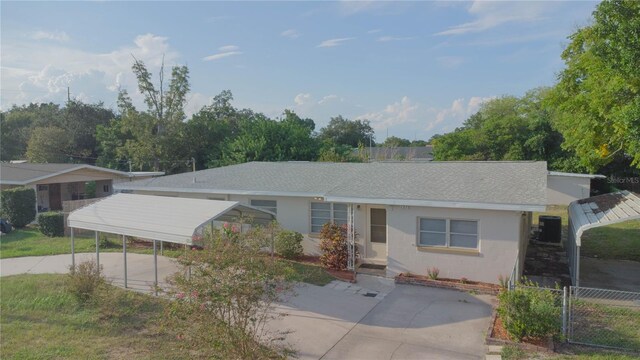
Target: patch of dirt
point(547, 262)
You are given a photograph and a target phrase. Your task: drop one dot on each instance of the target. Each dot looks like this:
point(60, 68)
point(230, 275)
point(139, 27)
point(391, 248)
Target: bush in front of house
point(289, 244)
point(85, 280)
point(530, 312)
point(18, 206)
point(51, 223)
point(334, 246)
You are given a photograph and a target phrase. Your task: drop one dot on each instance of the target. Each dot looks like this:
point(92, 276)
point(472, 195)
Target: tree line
point(589, 121)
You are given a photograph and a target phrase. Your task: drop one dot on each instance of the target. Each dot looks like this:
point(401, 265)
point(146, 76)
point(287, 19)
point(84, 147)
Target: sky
point(414, 69)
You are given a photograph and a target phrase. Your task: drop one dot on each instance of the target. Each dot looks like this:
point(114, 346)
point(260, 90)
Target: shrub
point(334, 247)
point(433, 273)
point(221, 309)
point(529, 312)
point(289, 244)
point(51, 223)
point(18, 206)
point(85, 280)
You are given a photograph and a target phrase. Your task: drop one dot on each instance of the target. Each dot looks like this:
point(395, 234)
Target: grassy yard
point(41, 320)
point(310, 274)
point(30, 242)
point(617, 241)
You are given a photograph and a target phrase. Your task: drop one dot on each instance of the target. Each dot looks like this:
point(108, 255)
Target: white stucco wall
point(562, 190)
point(499, 242)
point(293, 214)
point(500, 235)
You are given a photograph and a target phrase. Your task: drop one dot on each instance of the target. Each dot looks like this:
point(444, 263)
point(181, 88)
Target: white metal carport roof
point(160, 218)
point(594, 212)
point(157, 218)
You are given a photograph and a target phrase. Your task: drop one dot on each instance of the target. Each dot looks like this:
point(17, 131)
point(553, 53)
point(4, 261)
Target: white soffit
point(161, 218)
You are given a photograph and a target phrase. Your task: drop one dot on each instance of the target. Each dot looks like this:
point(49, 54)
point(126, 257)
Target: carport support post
point(155, 267)
point(577, 267)
point(73, 250)
point(124, 251)
point(564, 312)
point(97, 251)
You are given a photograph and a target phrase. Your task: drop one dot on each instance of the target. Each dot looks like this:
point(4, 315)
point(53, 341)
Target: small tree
point(222, 306)
point(18, 206)
point(334, 246)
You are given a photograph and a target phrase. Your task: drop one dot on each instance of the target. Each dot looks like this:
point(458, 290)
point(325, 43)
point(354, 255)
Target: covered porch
point(158, 219)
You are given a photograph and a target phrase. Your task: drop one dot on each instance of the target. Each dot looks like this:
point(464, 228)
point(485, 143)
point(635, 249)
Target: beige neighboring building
point(57, 183)
point(469, 219)
point(564, 188)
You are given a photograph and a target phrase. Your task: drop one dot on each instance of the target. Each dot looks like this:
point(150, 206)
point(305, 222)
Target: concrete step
point(494, 349)
point(492, 357)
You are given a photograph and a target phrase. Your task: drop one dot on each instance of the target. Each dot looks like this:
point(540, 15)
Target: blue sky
point(412, 68)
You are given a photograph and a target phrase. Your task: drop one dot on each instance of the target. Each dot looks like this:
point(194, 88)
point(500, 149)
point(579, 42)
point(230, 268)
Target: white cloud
point(59, 36)
point(334, 42)
point(302, 98)
point(450, 62)
point(457, 113)
point(350, 7)
point(393, 38)
point(223, 52)
point(394, 114)
point(31, 74)
point(328, 98)
point(291, 34)
point(490, 14)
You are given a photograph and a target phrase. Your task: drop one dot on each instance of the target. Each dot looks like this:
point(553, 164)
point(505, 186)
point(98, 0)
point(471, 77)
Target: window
point(269, 205)
point(105, 188)
point(322, 213)
point(448, 233)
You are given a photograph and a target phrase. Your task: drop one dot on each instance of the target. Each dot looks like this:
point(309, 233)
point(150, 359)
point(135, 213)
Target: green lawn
point(310, 274)
point(41, 320)
point(30, 242)
point(617, 241)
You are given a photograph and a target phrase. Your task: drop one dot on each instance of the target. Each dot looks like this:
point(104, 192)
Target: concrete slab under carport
point(411, 322)
point(623, 275)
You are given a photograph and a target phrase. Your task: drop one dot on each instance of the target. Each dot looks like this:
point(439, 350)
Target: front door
point(377, 239)
point(55, 198)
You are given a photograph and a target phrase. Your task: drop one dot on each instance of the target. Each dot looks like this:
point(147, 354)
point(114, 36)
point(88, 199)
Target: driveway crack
point(348, 332)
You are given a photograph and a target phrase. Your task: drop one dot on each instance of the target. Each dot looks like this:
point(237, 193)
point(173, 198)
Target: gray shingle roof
point(514, 183)
point(23, 173)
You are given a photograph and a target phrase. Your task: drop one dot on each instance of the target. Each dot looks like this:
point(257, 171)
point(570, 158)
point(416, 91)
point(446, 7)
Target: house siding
point(562, 190)
point(500, 237)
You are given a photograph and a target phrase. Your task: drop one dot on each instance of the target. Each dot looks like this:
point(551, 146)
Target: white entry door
point(377, 239)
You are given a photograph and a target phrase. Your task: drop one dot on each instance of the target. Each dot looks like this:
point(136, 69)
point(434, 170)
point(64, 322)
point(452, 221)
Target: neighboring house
point(402, 153)
point(564, 188)
point(469, 219)
point(57, 183)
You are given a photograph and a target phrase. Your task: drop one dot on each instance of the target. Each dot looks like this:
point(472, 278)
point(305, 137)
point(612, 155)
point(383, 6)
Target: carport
point(594, 212)
point(158, 218)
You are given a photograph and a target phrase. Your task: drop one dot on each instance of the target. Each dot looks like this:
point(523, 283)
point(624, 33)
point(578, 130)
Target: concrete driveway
point(410, 322)
point(140, 274)
point(335, 321)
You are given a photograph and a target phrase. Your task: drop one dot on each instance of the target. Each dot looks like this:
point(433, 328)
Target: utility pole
point(193, 164)
point(129, 166)
point(68, 95)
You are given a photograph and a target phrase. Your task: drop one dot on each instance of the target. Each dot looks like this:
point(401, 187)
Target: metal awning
point(594, 212)
point(162, 218)
point(158, 218)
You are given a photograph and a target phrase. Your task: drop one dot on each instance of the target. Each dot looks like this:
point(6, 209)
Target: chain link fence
point(597, 317)
point(606, 318)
